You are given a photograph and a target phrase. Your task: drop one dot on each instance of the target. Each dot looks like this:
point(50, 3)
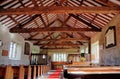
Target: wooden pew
point(92, 72)
point(18, 72)
point(21, 72)
point(29, 72)
point(15, 72)
point(2, 71)
point(9, 72)
point(34, 72)
point(39, 71)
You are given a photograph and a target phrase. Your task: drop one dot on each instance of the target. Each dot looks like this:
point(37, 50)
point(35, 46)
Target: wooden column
point(89, 49)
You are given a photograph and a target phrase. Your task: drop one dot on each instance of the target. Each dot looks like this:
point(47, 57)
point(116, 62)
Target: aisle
point(53, 74)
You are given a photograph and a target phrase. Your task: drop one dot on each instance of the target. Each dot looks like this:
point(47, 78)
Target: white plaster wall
point(7, 37)
point(109, 56)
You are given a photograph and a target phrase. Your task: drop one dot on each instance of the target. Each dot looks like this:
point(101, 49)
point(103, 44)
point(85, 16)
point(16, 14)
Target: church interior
point(59, 39)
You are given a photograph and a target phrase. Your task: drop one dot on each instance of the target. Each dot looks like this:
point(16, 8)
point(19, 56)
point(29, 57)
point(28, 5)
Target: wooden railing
point(23, 72)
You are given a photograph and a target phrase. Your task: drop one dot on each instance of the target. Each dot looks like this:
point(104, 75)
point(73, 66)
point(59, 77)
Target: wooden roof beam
point(85, 22)
point(61, 39)
point(66, 20)
point(51, 29)
point(1, 1)
point(43, 20)
point(62, 1)
point(51, 41)
point(83, 35)
point(35, 3)
point(58, 44)
point(59, 48)
point(45, 37)
point(59, 10)
point(71, 36)
point(21, 25)
point(106, 2)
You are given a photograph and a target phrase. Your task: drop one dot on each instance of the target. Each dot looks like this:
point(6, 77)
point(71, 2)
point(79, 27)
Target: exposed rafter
point(61, 39)
point(21, 25)
point(51, 29)
point(106, 2)
point(45, 37)
point(43, 21)
point(58, 44)
point(83, 35)
point(64, 23)
point(62, 1)
point(58, 10)
point(35, 3)
point(1, 1)
point(60, 48)
point(81, 20)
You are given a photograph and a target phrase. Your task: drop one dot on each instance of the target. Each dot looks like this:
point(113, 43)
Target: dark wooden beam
point(23, 24)
point(58, 44)
point(1, 1)
point(85, 22)
point(62, 1)
point(45, 37)
point(61, 39)
point(43, 20)
point(83, 35)
point(58, 48)
point(52, 29)
point(35, 3)
point(89, 49)
point(66, 20)
point(106, 2)
point(59, 10)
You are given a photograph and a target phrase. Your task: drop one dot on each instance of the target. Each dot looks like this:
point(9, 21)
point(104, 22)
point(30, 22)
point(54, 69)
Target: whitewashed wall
point(7, 37)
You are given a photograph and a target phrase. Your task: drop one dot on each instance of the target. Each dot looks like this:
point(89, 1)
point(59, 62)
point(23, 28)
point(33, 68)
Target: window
point(15, 51)
point(95, 52)
point(84, 48)
point(59, 57)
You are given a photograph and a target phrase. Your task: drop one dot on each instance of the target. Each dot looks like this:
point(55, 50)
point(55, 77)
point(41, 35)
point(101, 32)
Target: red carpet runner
point(55, 75)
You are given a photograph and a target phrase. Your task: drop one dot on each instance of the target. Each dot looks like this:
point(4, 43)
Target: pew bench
point(23, 72)
point(92, 72)
point(2, 72)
